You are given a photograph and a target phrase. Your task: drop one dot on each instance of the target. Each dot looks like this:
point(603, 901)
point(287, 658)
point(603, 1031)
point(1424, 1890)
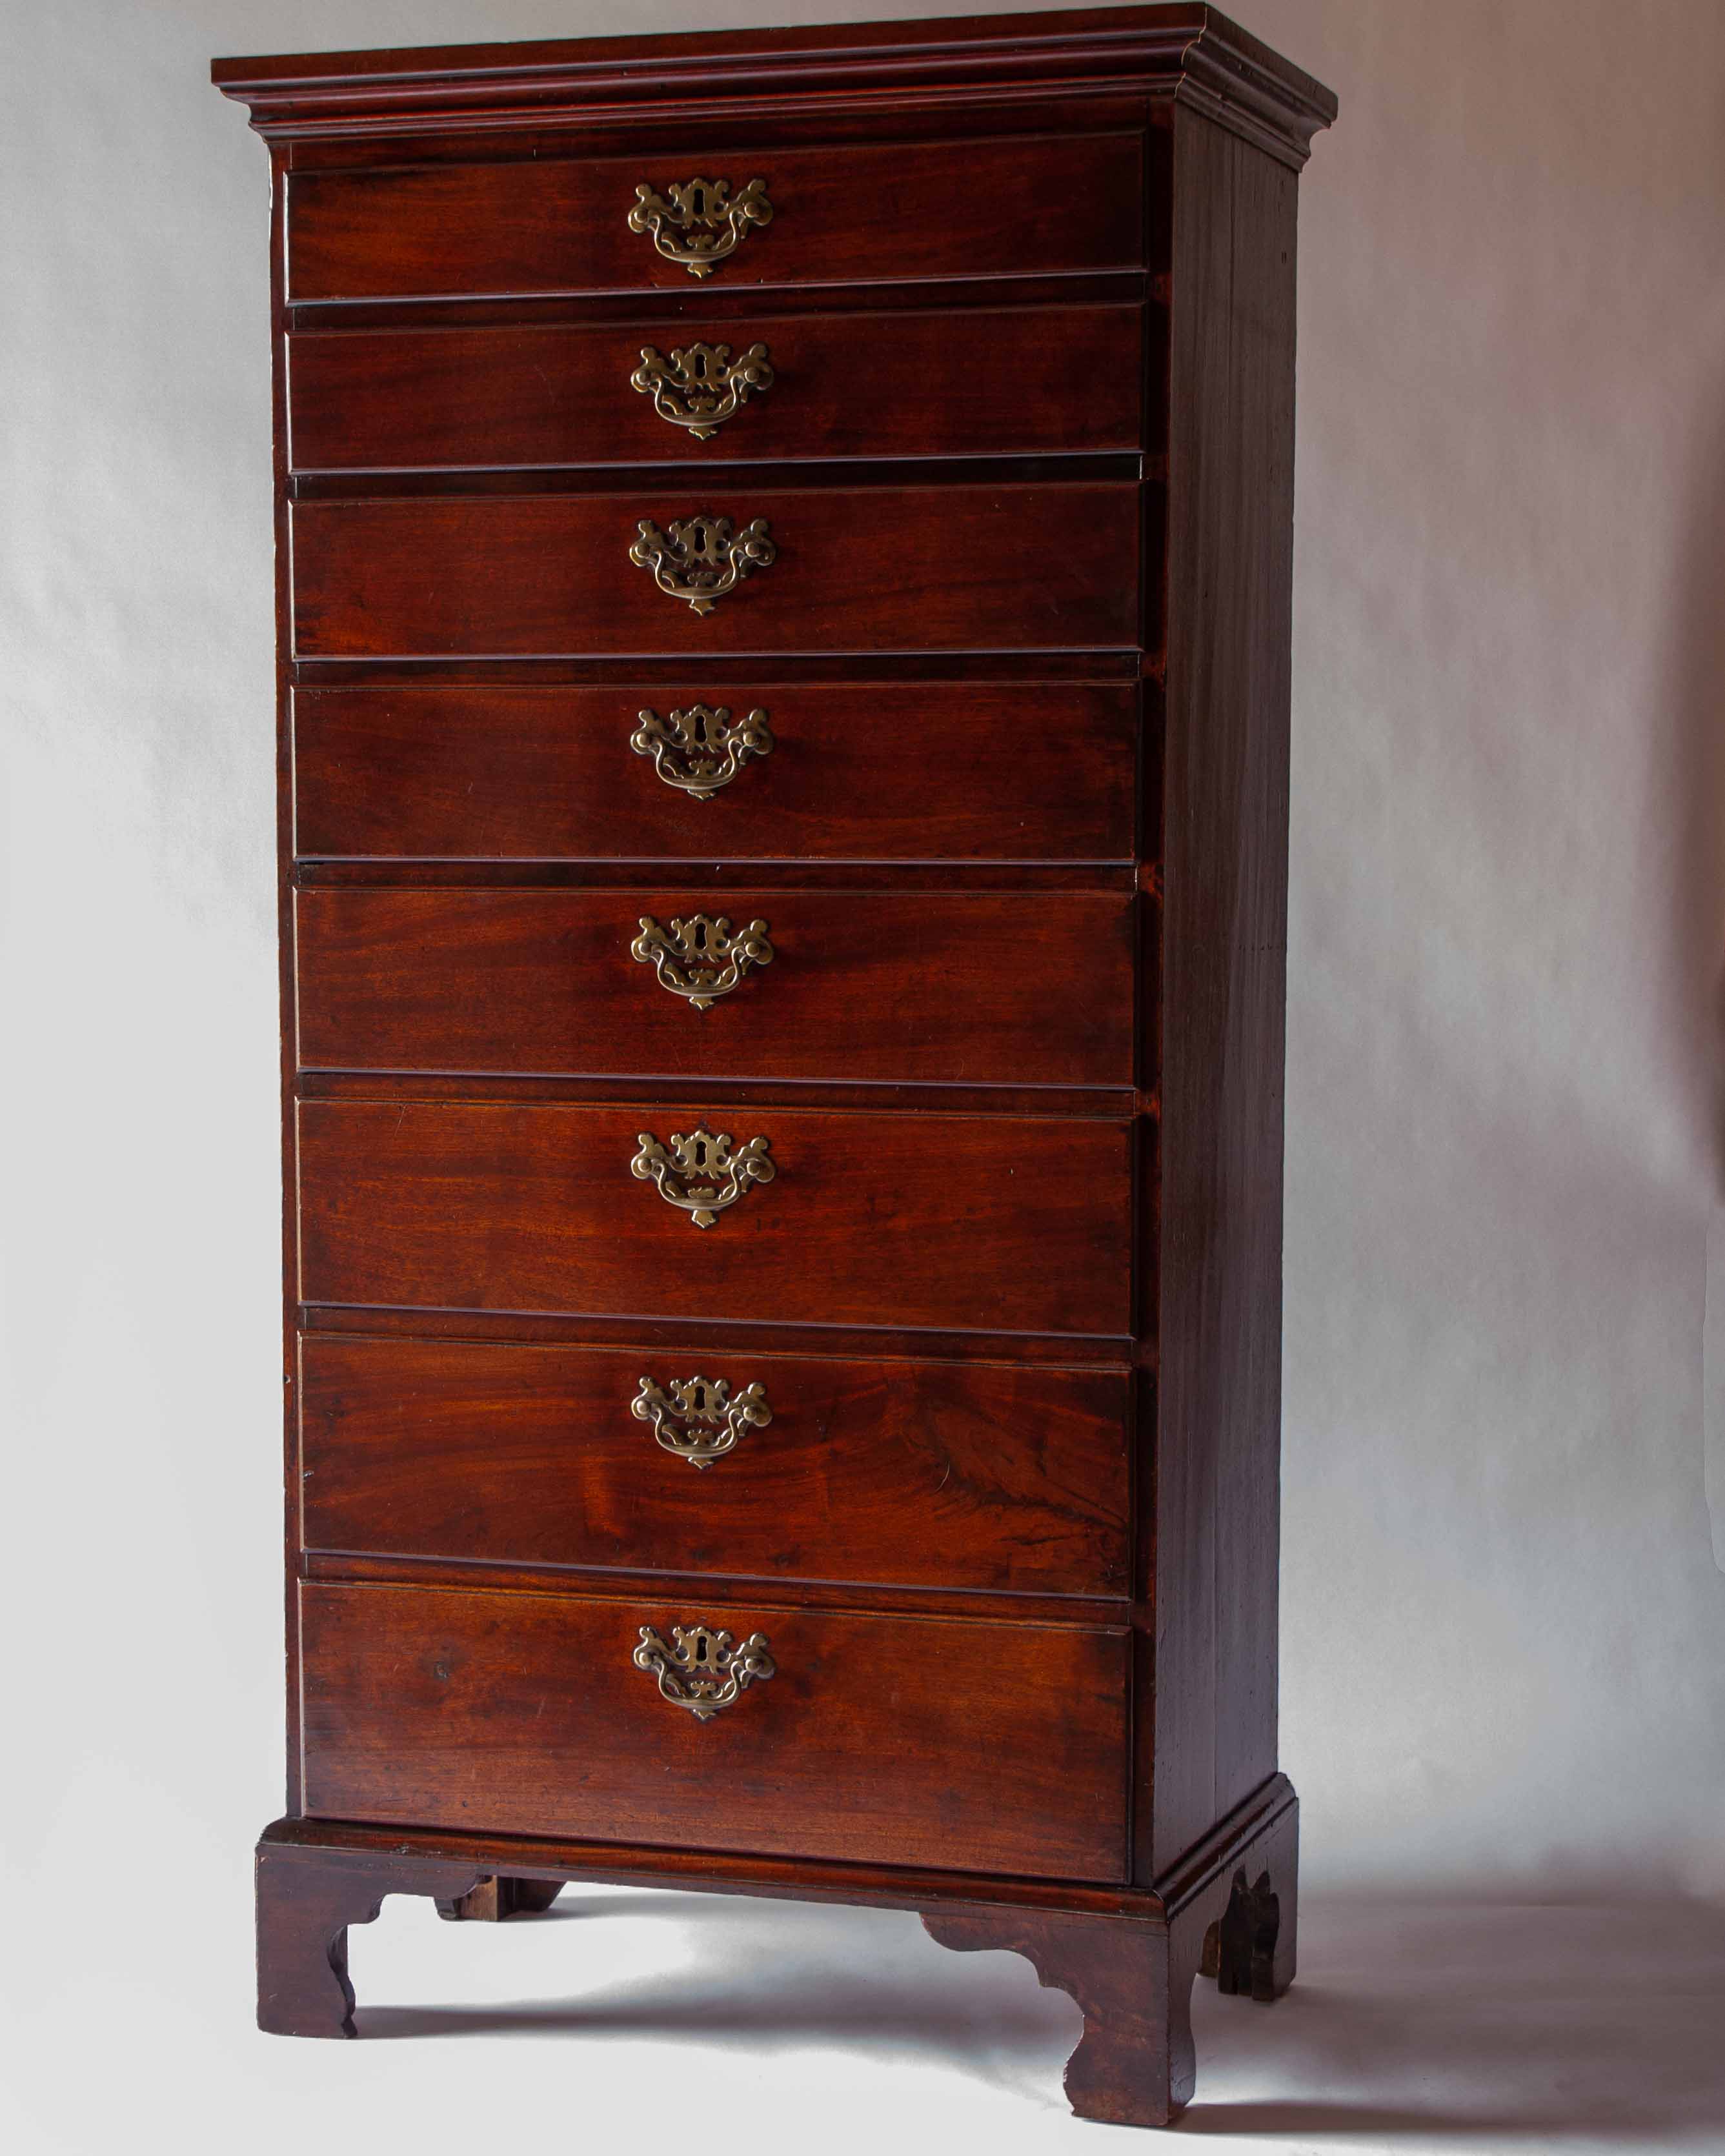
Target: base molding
point(1127, 1955)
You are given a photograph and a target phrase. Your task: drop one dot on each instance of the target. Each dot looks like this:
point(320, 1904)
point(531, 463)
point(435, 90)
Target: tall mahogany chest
point(784, 567)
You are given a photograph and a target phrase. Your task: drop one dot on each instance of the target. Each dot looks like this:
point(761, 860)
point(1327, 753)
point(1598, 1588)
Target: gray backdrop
point(1504, 1545)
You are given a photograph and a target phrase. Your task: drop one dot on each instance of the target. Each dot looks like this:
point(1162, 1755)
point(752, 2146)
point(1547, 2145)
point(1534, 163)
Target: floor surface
point(643, 2022)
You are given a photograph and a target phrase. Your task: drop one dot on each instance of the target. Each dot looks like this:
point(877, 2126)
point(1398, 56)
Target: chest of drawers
point(783, 583)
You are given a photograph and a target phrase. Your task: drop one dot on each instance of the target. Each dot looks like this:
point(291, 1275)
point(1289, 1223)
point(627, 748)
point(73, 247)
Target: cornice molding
point(1193, 54)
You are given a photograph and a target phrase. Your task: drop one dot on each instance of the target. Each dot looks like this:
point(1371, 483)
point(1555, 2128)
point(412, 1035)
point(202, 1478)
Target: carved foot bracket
point(1117, 1969)
point(306, 1900)
point(495, 1901)
point(1251, 1926)
point(1230, 1914)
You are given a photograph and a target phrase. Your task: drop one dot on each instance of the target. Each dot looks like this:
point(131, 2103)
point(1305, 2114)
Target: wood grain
point(877, 770)
point(984, 986)
point(994, 382)
point(304, 1909)
point(984, 1476)
point(995, 1225)
point(1224, 964)
point(987, 207)
point(1127, 1955)
point(1135, 2064)
point(912, 568)
point(523, 1714)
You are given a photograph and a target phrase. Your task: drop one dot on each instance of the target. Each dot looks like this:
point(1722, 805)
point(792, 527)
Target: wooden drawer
point(947, 1223)
point(886, 771)
point(947, 1475)
point(1001, 208)
point(973, 987)
point(878, 1740)
point(899, 385)
point(925, 568)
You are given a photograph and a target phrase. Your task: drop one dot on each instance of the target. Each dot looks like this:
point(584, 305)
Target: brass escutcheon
point(698, 224)
point(701, 557)
point(706, 1670)
point(706, 1155)
point(699, 750)
point(701, 386)
point(708, 1402)
point(699, 958)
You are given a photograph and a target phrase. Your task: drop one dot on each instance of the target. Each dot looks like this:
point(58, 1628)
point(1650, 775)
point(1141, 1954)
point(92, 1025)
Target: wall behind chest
point(1504, 953)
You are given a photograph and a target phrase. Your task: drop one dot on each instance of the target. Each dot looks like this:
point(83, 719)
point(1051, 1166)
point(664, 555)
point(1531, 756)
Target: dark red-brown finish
point(882, 771)
point(1002, 1224)
point(985, 383)
point(500, 1900)
point(1223, 970)
point(978, 71)
point(524, 1714)
point(984, 986)
point(1127, 1957)
point(979, 1475)
point(1135, 2063)
point(840, 214)
point(305, 1907)
point(1020, 847)
point(916, 568)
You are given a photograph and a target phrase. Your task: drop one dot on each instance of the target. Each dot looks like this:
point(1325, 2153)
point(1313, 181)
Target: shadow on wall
point(1696, 699)
point(1426, 2020)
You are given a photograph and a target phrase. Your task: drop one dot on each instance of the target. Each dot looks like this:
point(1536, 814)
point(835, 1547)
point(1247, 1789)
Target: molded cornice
point(1190, 54)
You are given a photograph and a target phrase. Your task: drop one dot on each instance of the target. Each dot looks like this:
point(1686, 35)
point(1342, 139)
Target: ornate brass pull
point(699, 958)
point(699, 750)
point(699, 224)
point(701, 386)
point(706, 1155)
point(703, 1400)
point(707, 1670)
point(700, 560)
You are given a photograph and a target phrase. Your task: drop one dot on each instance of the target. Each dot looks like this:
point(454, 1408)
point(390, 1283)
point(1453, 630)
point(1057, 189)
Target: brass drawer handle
point(700, 559)
point(708, 1402)
point(700, 224)
point(699, 750)
point(700, 387)
point(699, 958)
point(706, 1155)
point(707, 1670)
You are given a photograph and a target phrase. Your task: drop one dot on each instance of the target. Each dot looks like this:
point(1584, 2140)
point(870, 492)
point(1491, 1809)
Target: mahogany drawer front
point(976, 988)
point(943, 1475)
point(883, 1740)
point(1004, 207)
point(890, 771)
point(994, 382)
point(917, 568)
point(947, 1223)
